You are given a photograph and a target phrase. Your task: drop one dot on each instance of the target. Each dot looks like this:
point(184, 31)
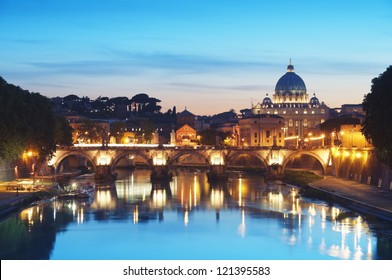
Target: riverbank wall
point(351, 203)
point(10, 203)
point(362, 167)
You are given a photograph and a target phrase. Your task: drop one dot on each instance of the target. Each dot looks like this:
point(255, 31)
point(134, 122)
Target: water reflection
point(181, 211)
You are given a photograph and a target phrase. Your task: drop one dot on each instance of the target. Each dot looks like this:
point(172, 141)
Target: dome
point(290, 88)
point(314, 101)
point(290, 82)
point(267, 100)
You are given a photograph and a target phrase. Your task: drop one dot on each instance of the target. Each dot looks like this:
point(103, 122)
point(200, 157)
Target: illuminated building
point(186, 135)
point(261, 130)
point(351, 136)
point(302, 115)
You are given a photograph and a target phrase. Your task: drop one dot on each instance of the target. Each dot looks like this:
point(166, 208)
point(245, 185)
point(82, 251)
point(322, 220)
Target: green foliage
point(63, 132)
point(377, 124)
point(147, 130)
point(334, 124)
point(117, 130)
point(91, 132)
point(146, 105)
point(26, 122)
point(300, 178)
point(212, 137)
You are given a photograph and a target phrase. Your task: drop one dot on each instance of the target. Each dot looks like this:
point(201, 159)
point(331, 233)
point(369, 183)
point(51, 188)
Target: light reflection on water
point(189, 218)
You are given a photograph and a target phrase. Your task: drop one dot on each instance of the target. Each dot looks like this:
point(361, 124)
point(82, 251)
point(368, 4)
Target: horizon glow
point(210, 56)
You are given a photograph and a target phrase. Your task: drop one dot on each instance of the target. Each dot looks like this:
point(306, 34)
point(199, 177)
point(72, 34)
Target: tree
point(377, 124)
point(212, 137)
point(117, 130)
point(27, 122)
point(147, 130)
point(63, 132)
point(333, 126)
point(145, 104)
point(91, 132)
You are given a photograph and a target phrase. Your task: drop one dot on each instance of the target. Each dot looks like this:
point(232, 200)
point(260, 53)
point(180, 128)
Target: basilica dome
point(290, 88)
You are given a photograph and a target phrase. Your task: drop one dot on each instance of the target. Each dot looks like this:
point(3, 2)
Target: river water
point(189, 218)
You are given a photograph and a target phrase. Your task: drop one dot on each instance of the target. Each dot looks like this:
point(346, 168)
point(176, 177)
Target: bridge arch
point(179, 154)
point(58, 163)
point(124, 154)
point(308, 153)
point(230, 157)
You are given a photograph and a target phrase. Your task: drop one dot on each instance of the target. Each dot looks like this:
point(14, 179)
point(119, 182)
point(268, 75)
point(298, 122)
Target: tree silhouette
point(377, 124)
point(27, 122)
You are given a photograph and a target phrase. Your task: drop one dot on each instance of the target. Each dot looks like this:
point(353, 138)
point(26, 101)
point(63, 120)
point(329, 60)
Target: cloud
point(224, 88)
point(131, 63)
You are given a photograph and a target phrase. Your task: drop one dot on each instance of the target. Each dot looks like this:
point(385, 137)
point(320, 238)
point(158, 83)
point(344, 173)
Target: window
point(322, 120)
point(296, 123)
point(290, 123)
point(322, 111)
point(255, 134)
point(305, 122)
point(267, 133)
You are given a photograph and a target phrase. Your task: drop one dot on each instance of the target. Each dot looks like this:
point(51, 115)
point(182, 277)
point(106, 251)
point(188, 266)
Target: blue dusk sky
point(210, 56)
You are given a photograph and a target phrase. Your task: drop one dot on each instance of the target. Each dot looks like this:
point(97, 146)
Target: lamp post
point(333, 138)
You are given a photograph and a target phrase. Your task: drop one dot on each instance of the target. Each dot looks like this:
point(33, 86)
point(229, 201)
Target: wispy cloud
point(217, 87)
point(129, 63)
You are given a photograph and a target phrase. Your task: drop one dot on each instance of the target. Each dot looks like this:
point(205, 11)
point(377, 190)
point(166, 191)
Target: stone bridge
point(105, 159)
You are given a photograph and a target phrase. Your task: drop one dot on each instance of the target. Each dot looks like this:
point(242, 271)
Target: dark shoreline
point(15, 204)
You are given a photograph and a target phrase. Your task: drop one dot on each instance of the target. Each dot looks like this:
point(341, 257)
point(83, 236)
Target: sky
point(207, 56)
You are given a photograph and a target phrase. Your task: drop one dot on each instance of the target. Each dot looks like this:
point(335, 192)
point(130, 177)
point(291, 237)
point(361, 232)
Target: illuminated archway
point(59, 163)
point(203, 160)
point(231, 159)
point(132, 153)
point(297, 156)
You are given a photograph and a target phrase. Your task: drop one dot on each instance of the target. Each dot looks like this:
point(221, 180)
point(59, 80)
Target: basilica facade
point(301, 114)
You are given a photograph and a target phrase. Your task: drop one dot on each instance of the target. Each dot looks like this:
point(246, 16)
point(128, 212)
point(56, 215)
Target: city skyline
point(207, 56)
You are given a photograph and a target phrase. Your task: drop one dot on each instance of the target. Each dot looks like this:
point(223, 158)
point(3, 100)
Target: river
point(189, 218)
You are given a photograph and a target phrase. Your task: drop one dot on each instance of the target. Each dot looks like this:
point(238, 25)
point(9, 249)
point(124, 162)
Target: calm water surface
point(192, 219)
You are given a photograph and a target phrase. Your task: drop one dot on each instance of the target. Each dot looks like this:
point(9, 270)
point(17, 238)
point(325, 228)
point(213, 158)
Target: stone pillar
point(217, 173)
point(156, 137)
point(103, 172)
point(160, 173)
point(172, 137)
point(274, 172)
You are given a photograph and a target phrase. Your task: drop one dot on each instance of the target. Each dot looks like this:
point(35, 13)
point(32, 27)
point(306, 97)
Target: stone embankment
point(353, 195)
